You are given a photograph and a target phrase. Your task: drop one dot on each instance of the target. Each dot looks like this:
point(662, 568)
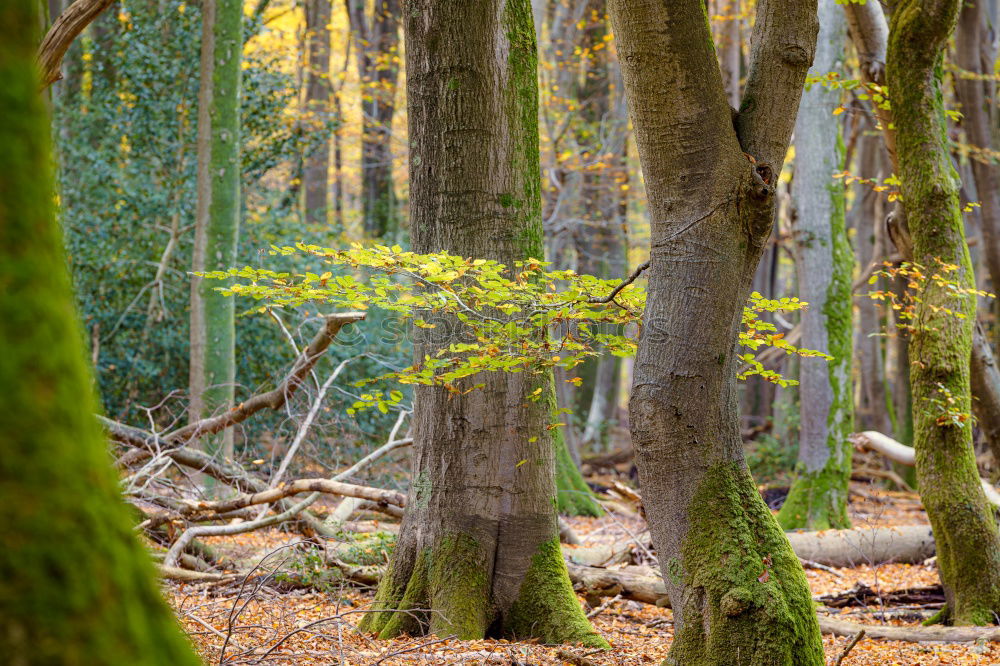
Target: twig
point(850, 646)
point(626, 282)
point(809, 564)
point(603, 607)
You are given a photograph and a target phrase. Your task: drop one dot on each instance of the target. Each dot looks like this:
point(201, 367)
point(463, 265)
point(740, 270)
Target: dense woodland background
point(217, 407)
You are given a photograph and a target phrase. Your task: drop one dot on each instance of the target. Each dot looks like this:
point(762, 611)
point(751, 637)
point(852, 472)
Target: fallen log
point(642, 584)
point(905, 455)
point(635, 583)
point(829, 625)
point(848, 548)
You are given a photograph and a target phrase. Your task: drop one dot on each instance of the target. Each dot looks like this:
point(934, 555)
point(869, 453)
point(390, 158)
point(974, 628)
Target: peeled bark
point(478, 551)
point(737, 589)
point(316, 167)
point(71, 569)
point(940, 347)
point(217, 215)
point(824, 264)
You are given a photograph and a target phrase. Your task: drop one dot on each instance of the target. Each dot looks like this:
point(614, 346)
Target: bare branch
point(60, 36)
point(277, 397)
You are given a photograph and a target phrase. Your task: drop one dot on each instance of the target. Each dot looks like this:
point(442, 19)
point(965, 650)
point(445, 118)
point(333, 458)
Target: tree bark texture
point(377, 40)
point(738, 592)
point(76, 587)
point(217, 214)
point(478, 551)
point(824, 264)
point(964, 527)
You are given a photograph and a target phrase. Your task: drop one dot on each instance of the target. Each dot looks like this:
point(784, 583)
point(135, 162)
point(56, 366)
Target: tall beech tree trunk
point(478, 552)
point(378, 68)
point(738, 592)
point(968, 551)
point(75, 585)
point(825, 263)
point(316, 170)
point(217, 215)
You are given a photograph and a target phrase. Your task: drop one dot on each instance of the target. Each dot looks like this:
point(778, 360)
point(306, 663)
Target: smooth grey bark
point(478, 550)
point(217, 214)
point(737, 589)
point(319, 92)
point(824, 265)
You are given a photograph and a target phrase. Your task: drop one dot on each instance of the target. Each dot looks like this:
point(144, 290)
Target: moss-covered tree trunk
point(377, 52)
point(968, 547)
point(824, 264)
point(217, 214)
point(738, 591)
point(478, 552)
point(75, 585)
point(319, 93)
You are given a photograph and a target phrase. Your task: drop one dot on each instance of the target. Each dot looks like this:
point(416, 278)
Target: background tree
point(968, 550)
point(217, 217)
point(734, 584)
point(478, 551)
point(77, 587)
point(825, 264)
point(377, 38)
point(319, 95)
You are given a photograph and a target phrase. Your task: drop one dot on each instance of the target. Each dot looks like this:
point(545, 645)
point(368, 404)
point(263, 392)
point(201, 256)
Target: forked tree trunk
point(316, 170)
point(825, 263)
point(478, 551)
point(738, 592)
point(75, 585)
point(217, 215)
point(964, 527)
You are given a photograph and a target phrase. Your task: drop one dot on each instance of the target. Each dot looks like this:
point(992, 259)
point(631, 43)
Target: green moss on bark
point(968, 545)
point(76, 587)
point(460, 589)
point(747, 599)
point(818, 499)
point(573, 495)
point(410, 613)
point(547, 607)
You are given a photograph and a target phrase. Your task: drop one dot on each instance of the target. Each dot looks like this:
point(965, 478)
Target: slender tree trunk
point(478, 552)
point(738, 592)
point(217, 215)
point(316, 171)
point(730, 44)
point(968, 546)
point(600, 237)
point(825, 263)
point(873, 404)
point(378, 69)
point(976, 52)
point(76, 587)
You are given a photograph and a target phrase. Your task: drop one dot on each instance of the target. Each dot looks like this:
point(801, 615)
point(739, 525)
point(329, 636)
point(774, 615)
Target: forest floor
point(264, 622)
